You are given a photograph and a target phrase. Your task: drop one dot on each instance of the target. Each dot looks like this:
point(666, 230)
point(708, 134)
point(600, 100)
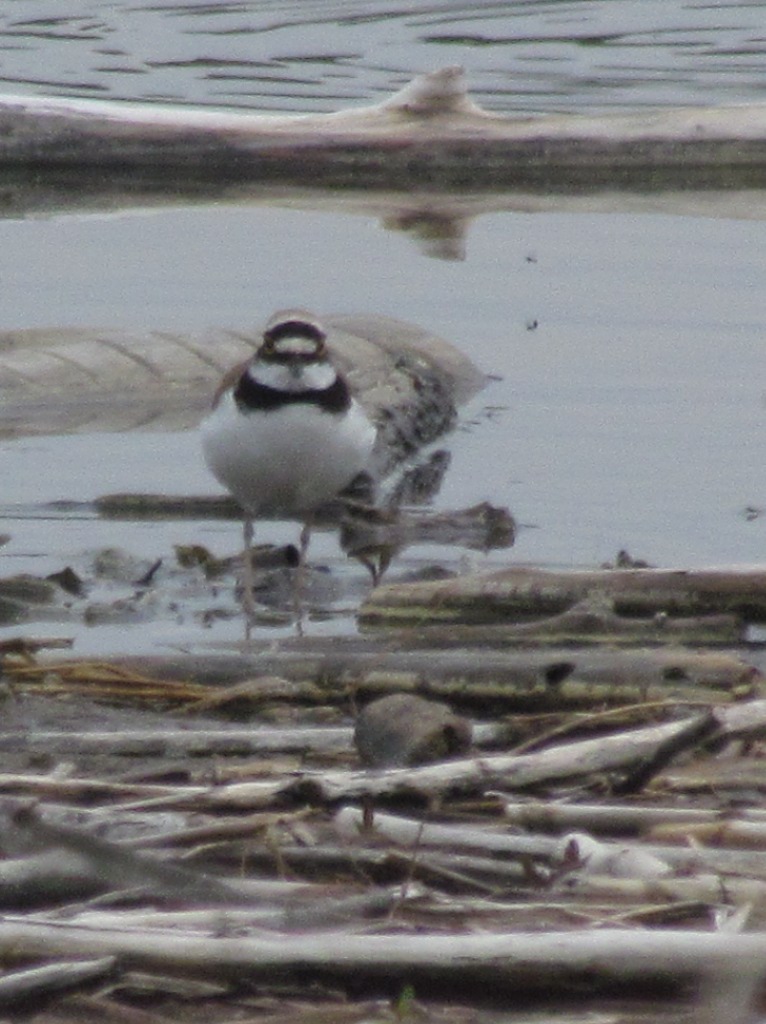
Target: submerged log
point(430, 133)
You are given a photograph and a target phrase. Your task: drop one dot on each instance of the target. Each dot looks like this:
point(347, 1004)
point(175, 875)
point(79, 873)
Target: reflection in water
point(314, 56)
point(440, 235)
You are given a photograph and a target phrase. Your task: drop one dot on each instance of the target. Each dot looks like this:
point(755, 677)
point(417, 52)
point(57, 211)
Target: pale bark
point(175, 742)
point(503, 594)
point(619, 819)
point(429, 131)
point(322, 671)
point(349, 823)
point(521, 961)
point(23, 989)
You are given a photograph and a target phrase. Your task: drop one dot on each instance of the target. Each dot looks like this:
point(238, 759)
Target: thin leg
point(304, 542)
point(248, 574)
point(300, 574)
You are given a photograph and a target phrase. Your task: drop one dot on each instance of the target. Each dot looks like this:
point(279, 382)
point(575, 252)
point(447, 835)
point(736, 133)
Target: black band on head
point(295, 328)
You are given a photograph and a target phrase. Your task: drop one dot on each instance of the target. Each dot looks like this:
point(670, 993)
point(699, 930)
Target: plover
point(285, 435)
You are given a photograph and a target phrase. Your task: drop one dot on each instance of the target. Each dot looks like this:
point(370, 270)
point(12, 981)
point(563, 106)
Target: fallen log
point(523, 593)
point(44, 879)
point(311, 909)
point(88, 789)
point(622, 752)
point(383, 866)
point(428, 133)
point(172, 743)
point(581, 625)
point(490, 967)
point(706, 890)
point(66, 380)
point(206, 742)
point(55, 877)
point(364, 529)
point(321, 671)
point(722, 833)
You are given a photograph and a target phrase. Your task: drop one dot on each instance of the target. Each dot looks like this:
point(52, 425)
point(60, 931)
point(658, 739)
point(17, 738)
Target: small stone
point(402, 730)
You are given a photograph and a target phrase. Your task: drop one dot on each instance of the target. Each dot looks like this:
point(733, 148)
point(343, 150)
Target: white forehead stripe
point(296, 344)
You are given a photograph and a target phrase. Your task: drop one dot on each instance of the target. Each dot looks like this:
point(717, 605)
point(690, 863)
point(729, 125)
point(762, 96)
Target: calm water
point(630, 345)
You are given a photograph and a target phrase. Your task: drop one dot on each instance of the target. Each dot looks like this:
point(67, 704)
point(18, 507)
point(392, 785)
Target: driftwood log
point(342, 670)
point(428, 133)
point(521, 593)
point(558, 962)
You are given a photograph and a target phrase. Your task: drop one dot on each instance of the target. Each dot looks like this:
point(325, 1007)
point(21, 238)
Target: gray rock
point(403, 729)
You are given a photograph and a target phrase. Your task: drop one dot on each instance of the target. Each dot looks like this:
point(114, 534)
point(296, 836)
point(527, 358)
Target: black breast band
point(251, 396)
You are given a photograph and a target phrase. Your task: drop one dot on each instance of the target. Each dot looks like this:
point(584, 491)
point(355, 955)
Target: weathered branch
point(624, 819)
point(27, 990)
point(350, 824)
point(557, 962)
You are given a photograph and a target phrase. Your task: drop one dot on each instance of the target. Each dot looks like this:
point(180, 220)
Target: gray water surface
point(630, 410)
point(312, 55)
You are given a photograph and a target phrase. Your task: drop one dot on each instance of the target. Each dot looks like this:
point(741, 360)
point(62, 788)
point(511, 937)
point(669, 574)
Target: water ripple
point(527, 56)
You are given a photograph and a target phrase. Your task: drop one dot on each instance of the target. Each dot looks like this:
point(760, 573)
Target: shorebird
point(285, 435)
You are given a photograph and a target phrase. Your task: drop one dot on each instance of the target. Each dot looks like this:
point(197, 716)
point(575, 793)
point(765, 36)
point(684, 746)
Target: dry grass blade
point(101, 679)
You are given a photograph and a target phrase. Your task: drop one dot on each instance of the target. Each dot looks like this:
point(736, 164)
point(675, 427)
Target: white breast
point(286, 461)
